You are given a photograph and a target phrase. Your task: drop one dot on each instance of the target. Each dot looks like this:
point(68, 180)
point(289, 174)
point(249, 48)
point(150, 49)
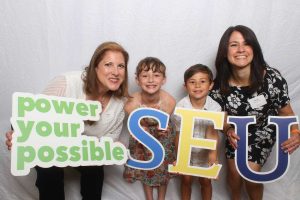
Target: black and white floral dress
point(261, 136)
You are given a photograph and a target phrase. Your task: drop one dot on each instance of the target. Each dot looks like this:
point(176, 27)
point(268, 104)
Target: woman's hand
point(290, 145)
point(232, 137)
point(8, 139)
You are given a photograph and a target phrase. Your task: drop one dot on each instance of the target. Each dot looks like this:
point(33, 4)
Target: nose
point(115, 70)
point(198, 84)
point(150, 78)
point(241, 48)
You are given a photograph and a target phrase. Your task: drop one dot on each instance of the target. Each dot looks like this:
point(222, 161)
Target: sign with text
point(48, 132)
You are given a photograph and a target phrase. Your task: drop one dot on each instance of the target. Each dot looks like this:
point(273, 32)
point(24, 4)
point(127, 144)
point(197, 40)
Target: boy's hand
point(212, 158)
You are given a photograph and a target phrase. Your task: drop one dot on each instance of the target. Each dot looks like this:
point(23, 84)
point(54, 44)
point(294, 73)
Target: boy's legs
point(50, 183)
point(206, 188)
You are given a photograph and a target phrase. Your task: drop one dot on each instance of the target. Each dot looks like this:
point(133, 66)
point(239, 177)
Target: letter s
point(135, 129)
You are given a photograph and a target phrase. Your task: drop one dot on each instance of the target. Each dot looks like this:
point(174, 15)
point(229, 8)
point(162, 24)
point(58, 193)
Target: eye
point(109, 64)
point(121, 66)
point(233, 45)
point(247, 45)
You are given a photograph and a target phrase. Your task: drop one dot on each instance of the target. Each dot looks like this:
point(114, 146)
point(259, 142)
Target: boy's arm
point(212, 133)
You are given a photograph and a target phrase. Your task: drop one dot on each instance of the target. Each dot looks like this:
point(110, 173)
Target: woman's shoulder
point(212, 104)
point(74, 84)
point(73, 78)
point(273, 73)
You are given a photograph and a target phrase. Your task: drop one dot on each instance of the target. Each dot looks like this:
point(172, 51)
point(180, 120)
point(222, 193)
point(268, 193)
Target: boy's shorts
point(199, 158)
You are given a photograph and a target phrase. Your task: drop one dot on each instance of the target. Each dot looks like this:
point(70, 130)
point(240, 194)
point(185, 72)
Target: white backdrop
point(40, 39)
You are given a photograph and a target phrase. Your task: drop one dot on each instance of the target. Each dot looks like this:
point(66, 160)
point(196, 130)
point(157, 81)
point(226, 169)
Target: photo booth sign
point(47, 132)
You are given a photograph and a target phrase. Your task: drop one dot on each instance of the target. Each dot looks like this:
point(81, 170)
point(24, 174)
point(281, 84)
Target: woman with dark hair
point(246, 86)
point(104, 80)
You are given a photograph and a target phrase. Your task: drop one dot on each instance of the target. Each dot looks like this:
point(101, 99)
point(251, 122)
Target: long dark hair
point(223, 67)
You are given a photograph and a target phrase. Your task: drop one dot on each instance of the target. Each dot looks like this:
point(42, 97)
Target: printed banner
point(48, 132)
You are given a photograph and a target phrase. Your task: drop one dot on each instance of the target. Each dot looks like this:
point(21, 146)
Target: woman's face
point(239, 54)
point(111, 71)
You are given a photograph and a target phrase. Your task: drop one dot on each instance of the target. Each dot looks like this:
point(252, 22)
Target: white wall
point(40, 39)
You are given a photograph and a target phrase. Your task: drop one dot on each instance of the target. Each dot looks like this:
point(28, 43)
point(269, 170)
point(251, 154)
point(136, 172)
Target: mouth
point(197, 91)
point(151, 86)
point(114, 80)
point(241, 57)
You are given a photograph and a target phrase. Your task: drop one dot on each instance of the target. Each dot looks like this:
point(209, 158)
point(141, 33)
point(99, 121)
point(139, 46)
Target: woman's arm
point(293, 142)
point(229, 132)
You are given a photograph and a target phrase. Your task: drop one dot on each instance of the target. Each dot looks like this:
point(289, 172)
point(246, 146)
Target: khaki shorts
point(199, 158)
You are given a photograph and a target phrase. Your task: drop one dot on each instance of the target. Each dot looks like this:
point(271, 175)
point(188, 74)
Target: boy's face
point(198, 86)
point(150, 82)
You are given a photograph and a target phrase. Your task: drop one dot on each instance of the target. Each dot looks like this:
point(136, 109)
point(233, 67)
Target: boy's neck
point(198, 103)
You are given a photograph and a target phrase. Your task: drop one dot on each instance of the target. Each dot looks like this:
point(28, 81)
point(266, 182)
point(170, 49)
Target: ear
point(184, 85)
point(211, 85)
point(164, 81)
point(137, 80)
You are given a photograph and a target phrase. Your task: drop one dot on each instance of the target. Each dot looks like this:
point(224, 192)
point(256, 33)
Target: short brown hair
point(89, 76)
point(152, 63)
point(195, 69)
